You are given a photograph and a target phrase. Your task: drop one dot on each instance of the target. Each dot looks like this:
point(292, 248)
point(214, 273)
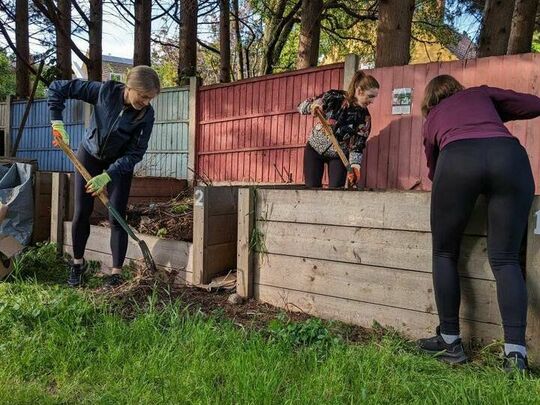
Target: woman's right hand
point(59, 131)
point(316, 104)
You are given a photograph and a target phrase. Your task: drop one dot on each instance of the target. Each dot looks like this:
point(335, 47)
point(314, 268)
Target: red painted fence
point(250, 131)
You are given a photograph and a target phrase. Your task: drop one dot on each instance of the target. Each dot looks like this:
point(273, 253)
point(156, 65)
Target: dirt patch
point(172, 219)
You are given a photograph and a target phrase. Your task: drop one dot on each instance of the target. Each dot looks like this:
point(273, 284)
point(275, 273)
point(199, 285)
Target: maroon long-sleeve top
point(476, 112)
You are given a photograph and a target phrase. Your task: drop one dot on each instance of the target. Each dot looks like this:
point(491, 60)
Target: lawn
point(61, 345)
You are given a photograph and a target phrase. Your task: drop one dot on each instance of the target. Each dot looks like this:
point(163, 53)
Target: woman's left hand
point(97, 184)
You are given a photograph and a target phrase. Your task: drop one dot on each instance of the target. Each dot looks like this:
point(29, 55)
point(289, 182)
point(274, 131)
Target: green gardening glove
point(59, 131)
point(96, 184)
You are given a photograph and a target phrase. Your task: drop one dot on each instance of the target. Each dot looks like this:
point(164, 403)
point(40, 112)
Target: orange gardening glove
point(354, 175)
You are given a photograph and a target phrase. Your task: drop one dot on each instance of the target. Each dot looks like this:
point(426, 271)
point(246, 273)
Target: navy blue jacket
point(117, 133)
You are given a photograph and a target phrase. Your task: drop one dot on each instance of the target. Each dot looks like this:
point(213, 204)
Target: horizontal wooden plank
point(410, 323)
point(157, 187)
point(377, 285)
point(183, 277)
point(387, 210)
point(405, 250)
point(167, 253)
point(222, 229)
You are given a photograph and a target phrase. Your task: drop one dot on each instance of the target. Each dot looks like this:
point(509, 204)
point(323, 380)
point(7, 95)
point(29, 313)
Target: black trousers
point(314, 169)
point(118, 191)
point(499, 168)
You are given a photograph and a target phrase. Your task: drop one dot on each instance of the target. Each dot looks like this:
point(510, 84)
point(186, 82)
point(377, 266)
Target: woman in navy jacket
point(470, 152)
point(115, 142)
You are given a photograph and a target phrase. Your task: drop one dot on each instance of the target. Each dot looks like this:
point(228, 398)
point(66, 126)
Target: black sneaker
point(114, 280)
point(76, 274)
point(452, 353)
point(515, 361)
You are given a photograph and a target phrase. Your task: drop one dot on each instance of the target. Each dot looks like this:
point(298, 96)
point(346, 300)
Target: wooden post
point(351, 66)
point(58, 208)
point(533, 284)
point(200, 222)
point(193, 123)
point(244, 260)
point(7, 120)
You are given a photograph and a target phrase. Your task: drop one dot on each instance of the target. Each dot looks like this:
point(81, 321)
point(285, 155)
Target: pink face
point(365, 98)
point(138, 99)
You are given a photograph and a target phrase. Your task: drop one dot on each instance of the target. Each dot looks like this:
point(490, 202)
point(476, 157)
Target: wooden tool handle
point(79, 166)
point(330, 135)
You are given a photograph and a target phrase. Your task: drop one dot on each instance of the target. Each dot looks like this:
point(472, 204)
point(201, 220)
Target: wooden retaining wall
point(361, 257)
point(215, 214)
point(169, 255)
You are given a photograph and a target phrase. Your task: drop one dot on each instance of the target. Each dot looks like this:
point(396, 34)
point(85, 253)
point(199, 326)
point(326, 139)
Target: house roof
point(116, 59)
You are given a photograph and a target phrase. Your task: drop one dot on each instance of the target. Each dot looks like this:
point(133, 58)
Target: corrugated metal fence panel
point(36, 139)
point(395, 156)
point(167, 154)
point(250, 131)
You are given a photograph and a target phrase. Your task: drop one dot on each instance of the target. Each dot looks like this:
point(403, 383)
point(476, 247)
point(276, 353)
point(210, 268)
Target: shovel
point(330, 135)
point(148, 259)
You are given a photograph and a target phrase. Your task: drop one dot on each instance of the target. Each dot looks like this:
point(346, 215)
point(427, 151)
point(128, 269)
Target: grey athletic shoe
point(452, 353)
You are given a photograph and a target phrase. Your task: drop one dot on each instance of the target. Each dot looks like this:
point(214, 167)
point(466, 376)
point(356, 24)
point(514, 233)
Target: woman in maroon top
point(470, 152)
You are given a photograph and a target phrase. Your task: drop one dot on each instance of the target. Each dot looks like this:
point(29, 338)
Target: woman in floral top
point(351, 123)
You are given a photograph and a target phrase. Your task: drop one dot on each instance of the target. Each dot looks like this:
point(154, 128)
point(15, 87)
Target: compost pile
point(172, 219)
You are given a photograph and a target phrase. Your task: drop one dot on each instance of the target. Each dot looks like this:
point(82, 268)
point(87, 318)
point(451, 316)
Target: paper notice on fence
point(401, 101)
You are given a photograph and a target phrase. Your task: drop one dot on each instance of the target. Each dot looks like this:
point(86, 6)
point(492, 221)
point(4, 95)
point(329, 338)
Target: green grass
point(69, 346)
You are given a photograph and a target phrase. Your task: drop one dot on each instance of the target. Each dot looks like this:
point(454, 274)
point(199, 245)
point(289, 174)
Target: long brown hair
point(439, 88)
point(363, 82)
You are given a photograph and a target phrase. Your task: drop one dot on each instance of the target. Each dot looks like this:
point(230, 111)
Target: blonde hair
point(360, 81)
point(144, 79)
point(439, 88)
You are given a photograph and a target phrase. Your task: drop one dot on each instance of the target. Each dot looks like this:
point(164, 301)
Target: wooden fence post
point(194, 83)
point(244, 260)
point(58, 208)
point(533, 283)
point(350, 68)
point(200, 223)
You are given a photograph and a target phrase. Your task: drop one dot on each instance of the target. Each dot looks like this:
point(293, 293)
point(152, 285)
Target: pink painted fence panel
point(250, 131)
point(394, 157)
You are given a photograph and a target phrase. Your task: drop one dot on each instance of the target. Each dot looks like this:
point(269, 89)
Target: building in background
point(114, 68)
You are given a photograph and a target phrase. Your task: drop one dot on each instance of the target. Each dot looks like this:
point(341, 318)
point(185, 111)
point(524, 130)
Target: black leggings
point(499, 168)
point(314, 169)
point(118, 191)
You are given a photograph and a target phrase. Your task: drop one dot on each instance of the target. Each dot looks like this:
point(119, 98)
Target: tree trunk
point(63, 46)
point(95, 53)
point(224, 42)
point(310, 33)
point(239, 47)
point(522, 30)
point(143, 31)
point(22, 44)
point(277, 29)
point(496, 26)
point(394, 32)
point(187, 65)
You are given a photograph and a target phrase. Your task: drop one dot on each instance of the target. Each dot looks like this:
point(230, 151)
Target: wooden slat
point(533, 283)
point(219, 259)
point(389, 210)
point(222, 200)
point(377, 285)
point(200, 222)
point(244, 258)
point(167, 253)
point(183, 277)
point(407, 250)
point(411, 323)
point(58, 208)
